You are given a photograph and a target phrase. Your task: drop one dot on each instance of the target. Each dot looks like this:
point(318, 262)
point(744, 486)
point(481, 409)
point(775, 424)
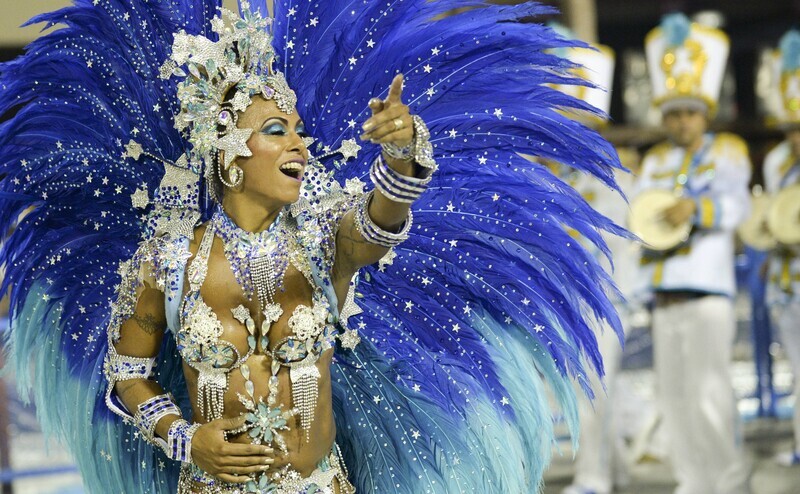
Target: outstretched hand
point(391, 120)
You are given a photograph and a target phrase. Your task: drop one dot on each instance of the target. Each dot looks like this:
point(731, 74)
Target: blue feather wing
point(80, 93)
point(489, 301)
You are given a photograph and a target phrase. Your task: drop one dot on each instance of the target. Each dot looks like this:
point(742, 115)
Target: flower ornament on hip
point(220, 79)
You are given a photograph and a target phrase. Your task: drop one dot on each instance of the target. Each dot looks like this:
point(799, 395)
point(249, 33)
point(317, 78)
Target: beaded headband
point(241, 59)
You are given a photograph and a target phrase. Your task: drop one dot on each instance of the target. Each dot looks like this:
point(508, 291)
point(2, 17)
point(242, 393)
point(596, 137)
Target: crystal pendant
point(272, 312)
point(211, 386)
point(235, 174)
point(305, 390)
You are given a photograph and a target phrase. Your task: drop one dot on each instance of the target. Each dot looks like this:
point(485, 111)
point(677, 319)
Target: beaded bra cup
point(202, 347)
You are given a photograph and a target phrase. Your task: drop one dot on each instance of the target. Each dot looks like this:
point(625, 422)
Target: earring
point(236, 174)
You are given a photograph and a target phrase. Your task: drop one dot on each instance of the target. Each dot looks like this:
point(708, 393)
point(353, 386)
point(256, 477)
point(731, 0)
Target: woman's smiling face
point(274, 173)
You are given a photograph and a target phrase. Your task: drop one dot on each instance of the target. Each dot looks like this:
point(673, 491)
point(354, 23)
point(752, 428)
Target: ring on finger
point(398, 123)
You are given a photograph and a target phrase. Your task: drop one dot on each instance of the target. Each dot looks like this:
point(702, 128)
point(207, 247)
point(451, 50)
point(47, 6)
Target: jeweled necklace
point(258, 260)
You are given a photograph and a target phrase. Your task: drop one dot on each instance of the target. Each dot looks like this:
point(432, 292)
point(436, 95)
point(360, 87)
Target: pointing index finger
point(396, 90)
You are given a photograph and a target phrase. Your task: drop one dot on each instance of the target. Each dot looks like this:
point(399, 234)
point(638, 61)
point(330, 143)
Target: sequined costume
point(447, 346)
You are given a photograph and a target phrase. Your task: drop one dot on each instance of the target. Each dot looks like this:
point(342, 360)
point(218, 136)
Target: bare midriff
point(221, 292)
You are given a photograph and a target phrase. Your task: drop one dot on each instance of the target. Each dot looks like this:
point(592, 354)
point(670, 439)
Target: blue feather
point(676, 28)
point(81, 92)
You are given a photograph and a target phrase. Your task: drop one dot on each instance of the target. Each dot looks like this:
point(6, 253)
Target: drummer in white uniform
point(693, 282)
point(782, 174)
point(598, 456)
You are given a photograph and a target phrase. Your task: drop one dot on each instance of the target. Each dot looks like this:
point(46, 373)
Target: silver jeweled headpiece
point(242, 58)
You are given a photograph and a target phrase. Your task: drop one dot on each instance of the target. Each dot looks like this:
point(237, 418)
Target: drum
point(754, 231)
point(646, 221)
point(783, 217)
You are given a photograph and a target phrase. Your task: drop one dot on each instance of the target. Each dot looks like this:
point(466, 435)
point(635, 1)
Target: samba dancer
point(167, 148)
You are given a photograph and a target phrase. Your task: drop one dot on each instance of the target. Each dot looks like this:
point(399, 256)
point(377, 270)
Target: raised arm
point(400, 175)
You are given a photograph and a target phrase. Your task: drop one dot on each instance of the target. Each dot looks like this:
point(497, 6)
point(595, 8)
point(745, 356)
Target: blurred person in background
point(693, 281)
point(782, 174)
point(599, 461)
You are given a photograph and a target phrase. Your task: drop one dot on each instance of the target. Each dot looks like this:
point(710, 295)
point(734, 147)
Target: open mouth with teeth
point(292, 170)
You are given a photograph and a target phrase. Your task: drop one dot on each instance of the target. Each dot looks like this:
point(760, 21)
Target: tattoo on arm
point(148, 323)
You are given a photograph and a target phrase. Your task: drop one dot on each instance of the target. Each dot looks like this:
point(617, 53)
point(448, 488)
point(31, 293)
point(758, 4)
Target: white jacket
point(717, 177)
point(782, 169)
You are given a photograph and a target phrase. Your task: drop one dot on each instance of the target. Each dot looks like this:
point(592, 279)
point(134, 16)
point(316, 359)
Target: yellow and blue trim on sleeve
point(708, 212)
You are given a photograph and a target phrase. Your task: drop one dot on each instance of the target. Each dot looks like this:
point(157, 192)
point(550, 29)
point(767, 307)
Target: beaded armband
point(420, 150)
point(396, 186)
point(124, 368)
point(153, 410)
point(178, 445)
point(118, 368)
point(373, 233)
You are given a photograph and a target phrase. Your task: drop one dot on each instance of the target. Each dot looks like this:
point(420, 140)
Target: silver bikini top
point(202, 347)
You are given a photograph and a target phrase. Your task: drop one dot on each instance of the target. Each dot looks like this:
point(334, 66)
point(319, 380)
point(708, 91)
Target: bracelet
point(395, 186)
point(404, 153)
point(178, 445)
point(420, 150)
point(151, 411)
point(374, 234)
